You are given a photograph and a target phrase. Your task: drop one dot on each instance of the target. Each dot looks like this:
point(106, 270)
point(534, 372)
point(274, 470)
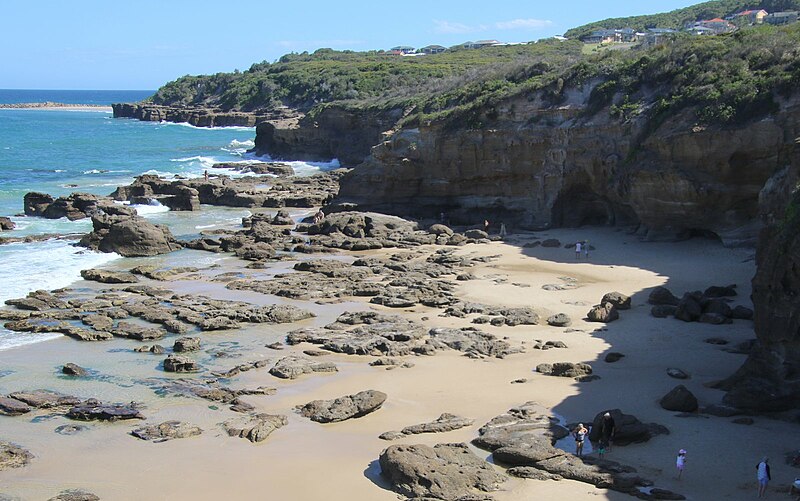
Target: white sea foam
point(150, 209)
point(309, 168)
point(247, 143)
point(301, 168)
point(41, 265)
point(187, 124)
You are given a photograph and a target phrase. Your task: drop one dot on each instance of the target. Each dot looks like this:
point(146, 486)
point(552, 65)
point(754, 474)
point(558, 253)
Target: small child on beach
point(680, 462)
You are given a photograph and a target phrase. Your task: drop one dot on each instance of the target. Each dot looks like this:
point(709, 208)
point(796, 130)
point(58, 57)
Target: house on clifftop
point(780, 18)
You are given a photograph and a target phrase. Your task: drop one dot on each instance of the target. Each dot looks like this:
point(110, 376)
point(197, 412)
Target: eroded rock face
point(446, 471)
point(342, 408)
point(676, 177)
point(333, 133)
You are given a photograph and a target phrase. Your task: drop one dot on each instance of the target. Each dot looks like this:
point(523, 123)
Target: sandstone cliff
point(333, 132)
point(770, 378)
point(534, 166)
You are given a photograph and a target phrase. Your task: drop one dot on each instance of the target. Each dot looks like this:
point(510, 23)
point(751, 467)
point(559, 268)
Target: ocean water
point(63, 151)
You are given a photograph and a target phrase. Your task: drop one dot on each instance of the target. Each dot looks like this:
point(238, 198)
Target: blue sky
point(141, 44)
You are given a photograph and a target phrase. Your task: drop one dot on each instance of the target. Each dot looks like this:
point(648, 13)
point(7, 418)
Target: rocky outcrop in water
point(73, 207)
point(129, 236)
point(199, 117)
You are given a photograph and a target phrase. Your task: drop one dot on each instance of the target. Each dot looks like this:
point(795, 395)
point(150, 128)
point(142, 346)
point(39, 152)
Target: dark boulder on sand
point(679, 399)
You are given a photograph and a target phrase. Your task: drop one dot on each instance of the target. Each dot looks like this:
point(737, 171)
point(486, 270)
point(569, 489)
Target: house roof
point(433, 47)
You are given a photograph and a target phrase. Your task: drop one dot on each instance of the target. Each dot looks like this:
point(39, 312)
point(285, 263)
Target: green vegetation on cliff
point(678, 18)
point(722, 79)
point(305, 80)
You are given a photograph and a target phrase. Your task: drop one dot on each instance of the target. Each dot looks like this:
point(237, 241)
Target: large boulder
point(445, 471)
point(129, 236)
point(605, 312)
point(689, 308)
point(628, 428)
point(342, 408)
point(679, 399)
point(6, 224)
point(662, 296)
point(177, 363)
point(618, 299)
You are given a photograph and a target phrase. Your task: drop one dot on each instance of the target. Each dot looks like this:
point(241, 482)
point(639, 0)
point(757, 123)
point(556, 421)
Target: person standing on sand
point(607, 430)
point(577, 250)
point(680, 462)
point(486, 226)
point(579, 433)
point(763, 476)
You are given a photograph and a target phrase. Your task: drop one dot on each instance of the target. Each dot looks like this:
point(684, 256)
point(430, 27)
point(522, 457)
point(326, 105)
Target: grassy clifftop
point(305, 80)
point(676, 19)
point(724, 79)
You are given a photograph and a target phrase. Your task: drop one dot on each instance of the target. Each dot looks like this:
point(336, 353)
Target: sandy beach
point(306, 460)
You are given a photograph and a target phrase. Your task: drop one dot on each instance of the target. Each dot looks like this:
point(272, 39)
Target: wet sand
point(307, 460)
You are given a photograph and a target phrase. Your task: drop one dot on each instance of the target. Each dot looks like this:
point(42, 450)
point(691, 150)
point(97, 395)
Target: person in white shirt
point(762, 473)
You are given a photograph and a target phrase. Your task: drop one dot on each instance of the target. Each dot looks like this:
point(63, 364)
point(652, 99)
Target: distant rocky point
point(49, 104)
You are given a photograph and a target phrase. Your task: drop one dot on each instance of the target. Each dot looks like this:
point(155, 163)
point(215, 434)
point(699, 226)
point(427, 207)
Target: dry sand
point(306, 460)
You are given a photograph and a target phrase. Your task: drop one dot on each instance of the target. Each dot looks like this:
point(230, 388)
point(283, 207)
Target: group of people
point(502, 232)
point(606, 437)
point(582, 246)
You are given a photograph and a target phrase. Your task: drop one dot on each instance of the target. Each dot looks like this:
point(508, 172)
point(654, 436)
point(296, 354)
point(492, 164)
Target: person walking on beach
point(486, 226)
point(577, 250)
point(680, 462)
point(763, 476)
point(586, 249)
point(579, 433)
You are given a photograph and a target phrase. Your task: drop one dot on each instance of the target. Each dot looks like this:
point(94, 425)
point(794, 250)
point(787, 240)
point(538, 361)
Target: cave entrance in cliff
point(580, 206)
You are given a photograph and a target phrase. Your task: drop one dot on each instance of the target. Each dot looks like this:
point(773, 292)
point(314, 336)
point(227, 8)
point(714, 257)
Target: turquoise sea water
point(60, 152)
